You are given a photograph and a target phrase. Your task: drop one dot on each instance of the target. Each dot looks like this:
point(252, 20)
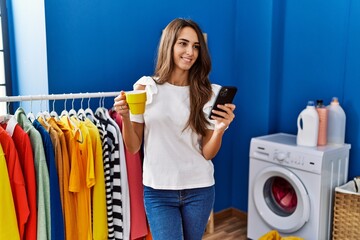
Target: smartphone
point(225, 95)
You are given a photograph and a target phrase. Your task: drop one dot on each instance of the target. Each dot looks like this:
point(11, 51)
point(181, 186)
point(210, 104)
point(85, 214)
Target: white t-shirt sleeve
point(151, 89)
point(208, 106)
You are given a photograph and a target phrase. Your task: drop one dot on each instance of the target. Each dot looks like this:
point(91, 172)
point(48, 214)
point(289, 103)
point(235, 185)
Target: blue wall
point(279, 53)
point(107, 45)
point(289, 52)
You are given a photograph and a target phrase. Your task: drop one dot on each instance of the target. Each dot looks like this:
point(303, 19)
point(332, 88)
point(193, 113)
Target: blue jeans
point(178, 214)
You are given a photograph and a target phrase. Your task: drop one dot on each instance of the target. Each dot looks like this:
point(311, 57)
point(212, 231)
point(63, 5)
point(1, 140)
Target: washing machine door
point(281, 199)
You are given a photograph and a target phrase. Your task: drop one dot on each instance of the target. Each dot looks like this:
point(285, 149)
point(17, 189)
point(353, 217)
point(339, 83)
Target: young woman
point(179, 139)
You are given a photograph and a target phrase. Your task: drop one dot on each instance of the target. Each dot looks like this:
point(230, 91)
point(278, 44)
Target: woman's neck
point(179, 78)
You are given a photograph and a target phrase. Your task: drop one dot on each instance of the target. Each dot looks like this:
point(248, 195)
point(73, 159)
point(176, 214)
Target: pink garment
point(138, 222)
point(284, 194)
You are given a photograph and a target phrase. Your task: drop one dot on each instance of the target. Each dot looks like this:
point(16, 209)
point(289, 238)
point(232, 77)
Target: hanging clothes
point(138, 223)
point(107, 174)
point(79, 175)
point(69, 157)
point(8, 223)
point(58, 154)
point(23, 147)
point(125, 196)
point(116, 190)
point(42, 176)
point(57, 223)
point(16, 178)
point(100, 229)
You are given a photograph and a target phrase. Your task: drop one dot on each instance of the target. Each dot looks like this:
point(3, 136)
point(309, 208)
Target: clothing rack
point(58, 96)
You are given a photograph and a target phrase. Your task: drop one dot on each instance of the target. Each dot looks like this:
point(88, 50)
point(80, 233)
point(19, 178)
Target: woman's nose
point(189, 50)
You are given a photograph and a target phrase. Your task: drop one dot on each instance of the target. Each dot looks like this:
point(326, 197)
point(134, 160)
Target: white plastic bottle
point(336, 122)
point(308, 126)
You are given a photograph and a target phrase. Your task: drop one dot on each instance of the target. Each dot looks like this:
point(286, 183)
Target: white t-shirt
point(172, 154)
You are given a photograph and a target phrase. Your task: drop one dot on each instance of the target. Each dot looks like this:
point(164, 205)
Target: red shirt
point(25, 152)
point(16, 180)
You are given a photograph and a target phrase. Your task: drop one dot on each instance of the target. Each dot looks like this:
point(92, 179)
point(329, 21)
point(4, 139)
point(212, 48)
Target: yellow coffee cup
point(136, 100)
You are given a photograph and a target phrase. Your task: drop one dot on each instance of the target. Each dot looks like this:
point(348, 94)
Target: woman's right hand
point(132, 132)
point(121, 105)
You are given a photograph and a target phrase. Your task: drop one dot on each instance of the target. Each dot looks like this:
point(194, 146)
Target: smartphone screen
point(225, 95)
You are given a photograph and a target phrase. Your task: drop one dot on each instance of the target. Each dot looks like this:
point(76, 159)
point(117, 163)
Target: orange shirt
point(68, 141)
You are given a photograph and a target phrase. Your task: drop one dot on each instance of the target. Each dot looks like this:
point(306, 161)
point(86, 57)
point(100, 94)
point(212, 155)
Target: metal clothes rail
point(57, 96)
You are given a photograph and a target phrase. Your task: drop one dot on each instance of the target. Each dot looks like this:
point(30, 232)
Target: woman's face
point(186, 49)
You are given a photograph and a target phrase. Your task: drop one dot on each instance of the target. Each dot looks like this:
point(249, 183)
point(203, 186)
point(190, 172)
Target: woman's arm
point(212, 140)
point(132, 132)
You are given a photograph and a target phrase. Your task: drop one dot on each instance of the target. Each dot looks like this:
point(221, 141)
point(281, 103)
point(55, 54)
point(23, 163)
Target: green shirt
point(42, 175)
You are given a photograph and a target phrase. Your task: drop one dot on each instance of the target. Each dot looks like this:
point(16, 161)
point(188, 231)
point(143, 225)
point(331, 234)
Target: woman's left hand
point(227, 116)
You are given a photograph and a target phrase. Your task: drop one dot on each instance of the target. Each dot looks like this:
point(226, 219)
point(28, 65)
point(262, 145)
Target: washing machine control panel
point(288, 156)
point(297, 160)
point(281, 156)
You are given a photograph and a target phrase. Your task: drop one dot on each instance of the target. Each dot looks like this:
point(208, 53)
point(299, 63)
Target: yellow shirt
point(8, 222)
point(82, 176)
point(78, 179)
point(100, 228)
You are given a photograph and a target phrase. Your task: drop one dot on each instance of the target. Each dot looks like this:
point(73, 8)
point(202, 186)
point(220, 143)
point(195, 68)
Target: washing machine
point(291, 188)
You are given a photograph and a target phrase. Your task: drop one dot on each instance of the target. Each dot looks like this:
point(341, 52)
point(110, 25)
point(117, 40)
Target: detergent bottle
point(323, 122)
point(336, 122)
point(308, 126)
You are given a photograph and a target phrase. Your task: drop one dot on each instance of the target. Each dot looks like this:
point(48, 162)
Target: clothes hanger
point(88, 112)
point(53, 113)
point(46, 112)
point(72, 112)
point(31, 115)
point(64, 112)
point(81, 112)
point(106, 111)
point(100, 110)
point(5, 118)
point(42, 114)
point(10, 120)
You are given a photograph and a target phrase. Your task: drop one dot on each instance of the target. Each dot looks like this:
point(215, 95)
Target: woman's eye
point(196, 46)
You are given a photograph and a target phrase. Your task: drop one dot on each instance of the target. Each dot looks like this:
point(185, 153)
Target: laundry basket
point(346, 217)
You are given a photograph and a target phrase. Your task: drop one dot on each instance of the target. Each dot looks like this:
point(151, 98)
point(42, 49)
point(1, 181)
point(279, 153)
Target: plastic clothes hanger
point(31, 115)
point(46, 113)
point(10, 120)
point(72, 112)
point(5, 118)
point(100, 110)
point(64, 112)
point(88, 112)
point(42, 114)
point(81, 112)
point(53, 113)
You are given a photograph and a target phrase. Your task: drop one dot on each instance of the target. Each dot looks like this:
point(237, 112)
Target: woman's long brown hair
point(200, 86)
